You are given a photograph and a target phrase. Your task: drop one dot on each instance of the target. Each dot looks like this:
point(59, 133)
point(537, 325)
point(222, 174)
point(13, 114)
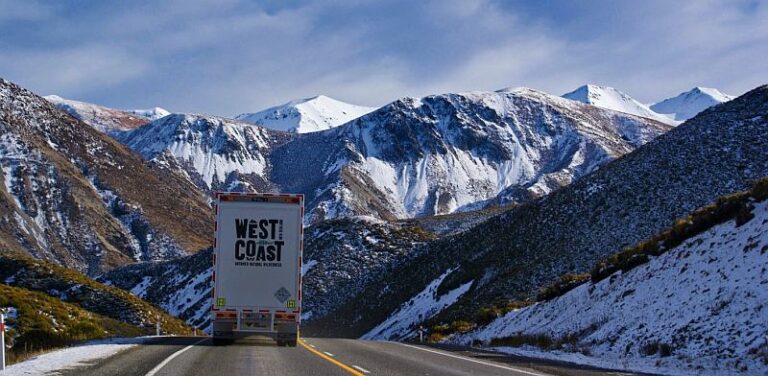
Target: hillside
point(508, 257)
point(76, 197)
point(72, 287)
point(695, 308)
point(37, 322)
point(306, 115)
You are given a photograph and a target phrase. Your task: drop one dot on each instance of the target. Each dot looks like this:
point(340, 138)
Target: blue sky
point(227, 57)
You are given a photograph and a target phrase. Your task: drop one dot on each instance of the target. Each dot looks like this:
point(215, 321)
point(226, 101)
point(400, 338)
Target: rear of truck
point(257, 267)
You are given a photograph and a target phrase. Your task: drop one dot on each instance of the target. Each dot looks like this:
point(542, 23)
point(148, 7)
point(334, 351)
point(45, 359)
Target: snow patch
point(401, 324)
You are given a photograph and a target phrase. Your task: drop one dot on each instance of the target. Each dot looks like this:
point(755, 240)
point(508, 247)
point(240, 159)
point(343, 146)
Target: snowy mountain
point(413, 157)
point(215, 153)
point(306, 115)
point(453, 152)
point(688, 104)
point(612, 99)
point(510, 256)
point(104, 119)
point(75, 197)
point(696, 309)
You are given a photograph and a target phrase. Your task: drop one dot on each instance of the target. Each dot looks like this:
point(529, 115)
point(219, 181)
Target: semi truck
point(257, 266)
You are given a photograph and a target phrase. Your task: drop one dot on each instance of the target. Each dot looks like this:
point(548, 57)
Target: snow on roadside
point(71, 357)
point(424, 305)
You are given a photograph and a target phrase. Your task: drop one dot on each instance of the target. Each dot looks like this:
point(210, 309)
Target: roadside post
point(421, 334)
point(2, 338)
point(157, 326)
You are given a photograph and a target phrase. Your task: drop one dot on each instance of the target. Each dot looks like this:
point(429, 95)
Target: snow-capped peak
point(686, 105)
point(613, 99)
point(306, 115)
point(151, 113)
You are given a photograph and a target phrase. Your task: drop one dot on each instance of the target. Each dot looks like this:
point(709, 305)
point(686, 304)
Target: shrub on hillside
point(566, 283)
point(737, 206)
point(41, 323)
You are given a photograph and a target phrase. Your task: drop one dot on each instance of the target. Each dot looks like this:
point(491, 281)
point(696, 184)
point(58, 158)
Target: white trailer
point(257, 266)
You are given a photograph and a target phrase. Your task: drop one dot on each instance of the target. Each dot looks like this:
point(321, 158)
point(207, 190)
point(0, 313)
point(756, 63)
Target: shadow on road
point(208, 341)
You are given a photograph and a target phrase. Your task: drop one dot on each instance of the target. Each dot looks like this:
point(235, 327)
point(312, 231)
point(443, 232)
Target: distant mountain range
point(612, 99)
point(672, 111)
point(413, 157)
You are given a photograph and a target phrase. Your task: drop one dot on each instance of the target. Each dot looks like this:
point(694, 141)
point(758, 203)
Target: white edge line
point(167, 360)
point(474, 360)
point(329, 354)
point(361, 369)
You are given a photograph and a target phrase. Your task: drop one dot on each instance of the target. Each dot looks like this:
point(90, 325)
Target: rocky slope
point(697, 308)
point(306, 115)
point(686, 105)
point(181, 286)
point(76, 197)
point(217, 154)
point(105, 119)
point(508, 257)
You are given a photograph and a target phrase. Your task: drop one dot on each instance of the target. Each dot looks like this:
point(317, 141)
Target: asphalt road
point(315, 356)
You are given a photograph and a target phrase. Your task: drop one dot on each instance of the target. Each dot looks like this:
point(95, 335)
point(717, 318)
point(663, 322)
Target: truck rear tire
point(220, 341)
point(291, 343)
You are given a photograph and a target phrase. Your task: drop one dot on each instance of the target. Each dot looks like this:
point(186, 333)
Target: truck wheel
point(280, 343)
point(220, 341)
point(292, 343)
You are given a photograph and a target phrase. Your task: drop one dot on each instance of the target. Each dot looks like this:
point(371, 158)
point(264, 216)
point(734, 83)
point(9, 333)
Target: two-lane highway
point(196, 356)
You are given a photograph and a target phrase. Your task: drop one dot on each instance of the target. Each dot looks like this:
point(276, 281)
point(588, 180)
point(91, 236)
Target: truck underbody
point(230, 325)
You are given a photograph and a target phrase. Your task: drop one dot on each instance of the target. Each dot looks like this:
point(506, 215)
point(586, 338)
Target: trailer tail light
point(226, 315)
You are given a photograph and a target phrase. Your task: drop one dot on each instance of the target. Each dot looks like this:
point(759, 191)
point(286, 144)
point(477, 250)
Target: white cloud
point(72, 70)
point(234, 56)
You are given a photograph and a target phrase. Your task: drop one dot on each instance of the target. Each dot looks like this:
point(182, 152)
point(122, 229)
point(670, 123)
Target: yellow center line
point(334, 361)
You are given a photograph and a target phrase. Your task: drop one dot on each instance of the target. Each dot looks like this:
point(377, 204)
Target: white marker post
point(2, 339)
point(157, 326)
